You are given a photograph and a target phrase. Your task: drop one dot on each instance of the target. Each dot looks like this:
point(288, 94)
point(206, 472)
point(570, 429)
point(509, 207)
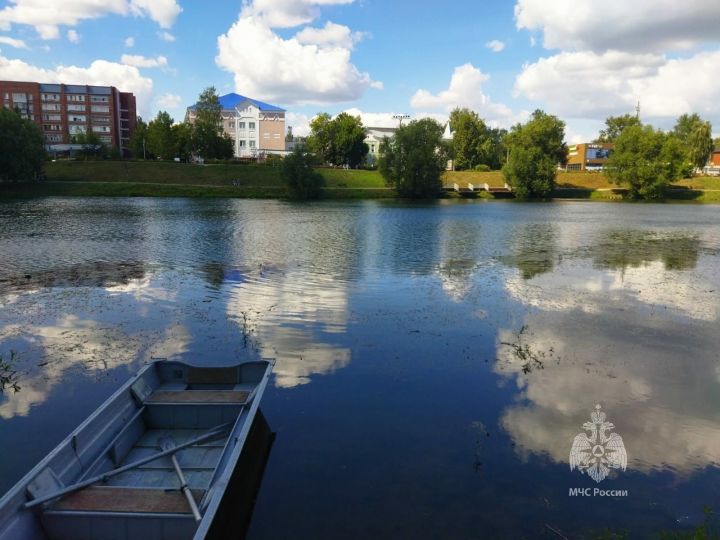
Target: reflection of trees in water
point(95, 274)
point(530, 357)
point(460, 244)
point(8, 374)
point(534, 249)
point(635, 248)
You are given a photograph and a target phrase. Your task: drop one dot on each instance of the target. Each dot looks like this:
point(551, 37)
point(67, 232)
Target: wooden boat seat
point(198, 396)
point(121, 499)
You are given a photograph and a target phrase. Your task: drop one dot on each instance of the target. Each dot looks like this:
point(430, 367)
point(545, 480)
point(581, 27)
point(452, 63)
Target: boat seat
point(122, 499)
point(198, 396)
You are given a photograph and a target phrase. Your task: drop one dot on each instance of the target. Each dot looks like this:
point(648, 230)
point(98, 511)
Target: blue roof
point(230, 101)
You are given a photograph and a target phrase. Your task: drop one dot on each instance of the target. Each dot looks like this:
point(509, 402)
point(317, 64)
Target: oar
point(213, 433)
point(167, 443)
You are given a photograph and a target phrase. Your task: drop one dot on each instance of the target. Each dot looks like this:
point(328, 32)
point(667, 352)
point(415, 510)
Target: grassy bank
point(162, 179)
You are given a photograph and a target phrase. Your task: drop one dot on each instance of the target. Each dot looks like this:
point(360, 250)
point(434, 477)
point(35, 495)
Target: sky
point(581, 60)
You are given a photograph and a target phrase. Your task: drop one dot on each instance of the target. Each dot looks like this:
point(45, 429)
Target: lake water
point(434, 362)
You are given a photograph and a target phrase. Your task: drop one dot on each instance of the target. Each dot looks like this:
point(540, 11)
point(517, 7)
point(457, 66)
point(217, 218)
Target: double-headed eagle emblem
point(599, 452)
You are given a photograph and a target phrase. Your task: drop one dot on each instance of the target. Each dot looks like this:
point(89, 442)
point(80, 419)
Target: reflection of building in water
point(657, 379)
point(293, 317)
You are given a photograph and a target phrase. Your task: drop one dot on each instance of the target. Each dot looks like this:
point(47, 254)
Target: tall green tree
point(536, 148)
point(22, 148)
point(472, 143)
point(302, 181)
point(695, 135)
point(348, 144)
point(208, 137)
point(321, 137)
point(160, 140)
point(413, 160)
point(614, 126)
point(138, 141)
point(182, 139)
point(646, 160)
point(92, 146)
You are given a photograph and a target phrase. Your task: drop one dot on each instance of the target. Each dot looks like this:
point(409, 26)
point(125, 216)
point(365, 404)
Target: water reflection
point(640, 367)
point(534, 249)
point(622, 249)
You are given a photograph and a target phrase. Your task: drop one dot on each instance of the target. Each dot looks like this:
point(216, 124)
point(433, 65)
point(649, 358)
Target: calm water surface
point(434, 363)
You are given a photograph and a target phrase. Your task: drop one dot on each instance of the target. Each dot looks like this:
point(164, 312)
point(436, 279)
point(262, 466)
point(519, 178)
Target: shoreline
point(10, 191)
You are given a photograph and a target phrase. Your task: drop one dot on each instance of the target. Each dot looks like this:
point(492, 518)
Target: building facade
point(256, 128)
point(373, 138)
point(588, 156)
point(63, 111)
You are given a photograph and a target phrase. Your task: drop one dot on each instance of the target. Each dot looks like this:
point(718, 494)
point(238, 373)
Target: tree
point(472, 142)
point(138, 142)
point(302, 181)
point(208, 137)
point(701, 145)
point(22, 150)
point(160, 140)
point(536, 149)
point(348, 144)
point(321, 136)
point(695, 135)
point(614, 126)
point(413, 160)
point(646, 161)
point(181, 134)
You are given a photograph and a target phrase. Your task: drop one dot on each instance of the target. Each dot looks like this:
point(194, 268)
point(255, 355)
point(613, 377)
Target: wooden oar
point(167, 443)
point(213, 433)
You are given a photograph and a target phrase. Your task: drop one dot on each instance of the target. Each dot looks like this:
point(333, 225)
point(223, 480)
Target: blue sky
point(578, 59)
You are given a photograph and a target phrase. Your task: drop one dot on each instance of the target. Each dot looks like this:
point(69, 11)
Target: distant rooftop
point(232, 100)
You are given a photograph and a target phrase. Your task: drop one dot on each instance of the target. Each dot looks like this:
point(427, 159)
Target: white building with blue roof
point(257, 128)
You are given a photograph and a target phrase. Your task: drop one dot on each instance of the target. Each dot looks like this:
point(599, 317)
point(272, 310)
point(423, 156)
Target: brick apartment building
point(62, 111)
point(256, 128)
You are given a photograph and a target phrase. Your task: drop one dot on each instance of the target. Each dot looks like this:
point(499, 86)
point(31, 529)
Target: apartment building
point(63, 111)
point(588, 156)
point(256, 128)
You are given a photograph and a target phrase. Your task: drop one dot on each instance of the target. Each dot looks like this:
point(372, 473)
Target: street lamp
point(401, 117)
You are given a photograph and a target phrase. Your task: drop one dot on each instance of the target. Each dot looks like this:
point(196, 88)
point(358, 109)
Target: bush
point(482, 168)
point(302, 181)
point(22, 151)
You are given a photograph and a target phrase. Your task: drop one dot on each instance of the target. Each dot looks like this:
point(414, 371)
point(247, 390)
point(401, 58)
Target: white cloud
point(129, 42)
point(646, 25)
point(46, 17)
point(331, 35)
point(169, 101)
point(465, 90)
point(285, 70)
point(73, 36)
point(143, 61)
point(100, 72)
point(287, 13)
point(166, 36)
point(495, 45)
point(592, 85)
point(299, 122)
point(17, 43)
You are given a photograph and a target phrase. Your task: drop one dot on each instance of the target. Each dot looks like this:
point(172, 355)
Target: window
point(7, 95)
point(53, 138)
point(76, 108)
point(101, 129)
point(76, 98)
point(51, 117)
point(50, 97)
point(251, 126)
point(51, 127)
point(252, 144)
point(99, 99)
point(241, 125)
point(19, 97)
point(77, 118)
point(242, 144)
point(101, 119)
point(76, 130)
point(266, 135)
point(105, 139)
point(276, 136)
point(100, 108)
point(50, 107)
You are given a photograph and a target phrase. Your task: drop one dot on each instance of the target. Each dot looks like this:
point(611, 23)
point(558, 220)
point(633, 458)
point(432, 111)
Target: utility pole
point(637, 110)
point(401, 117)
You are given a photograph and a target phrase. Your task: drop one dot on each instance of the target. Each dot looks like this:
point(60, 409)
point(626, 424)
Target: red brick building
point(63, 111)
